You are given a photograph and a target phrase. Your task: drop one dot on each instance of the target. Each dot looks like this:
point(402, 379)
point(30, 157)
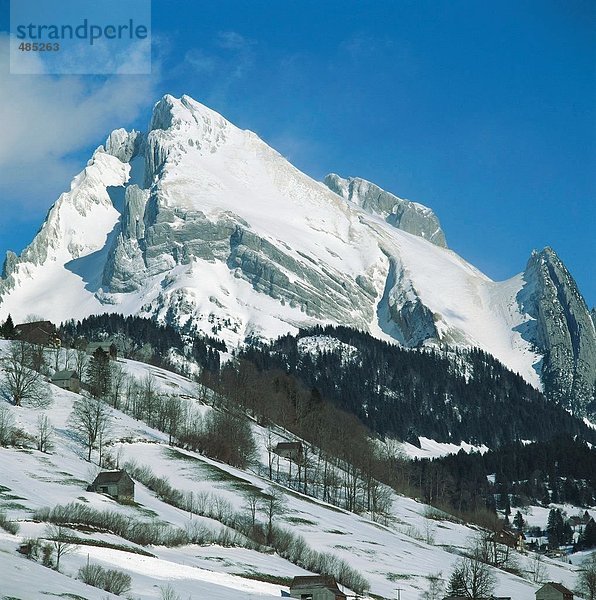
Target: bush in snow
point(91, 574)
point(110, 580)
point(9, 526)
point(32, 547)
point(47, 555)
point(116, 582)
point(143, 533)
point(167, 592)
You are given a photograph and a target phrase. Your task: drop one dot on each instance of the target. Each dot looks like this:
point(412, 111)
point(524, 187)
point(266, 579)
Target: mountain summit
point(202, 225)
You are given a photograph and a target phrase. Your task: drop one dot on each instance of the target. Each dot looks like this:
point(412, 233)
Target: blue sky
point(485, 112)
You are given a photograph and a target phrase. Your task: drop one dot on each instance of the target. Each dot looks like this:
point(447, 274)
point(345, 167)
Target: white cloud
point(200, 62)
point(232, 40)
point(46, 119)
point(232, 61)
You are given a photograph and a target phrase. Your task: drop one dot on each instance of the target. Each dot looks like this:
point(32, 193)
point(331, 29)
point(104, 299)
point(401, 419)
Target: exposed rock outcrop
point(562, 330)
point(403, 214)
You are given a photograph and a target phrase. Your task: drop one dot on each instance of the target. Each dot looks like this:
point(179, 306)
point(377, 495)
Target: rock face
point(158, 233)
point(403, 214)
point(202, 225)
point(562, 330)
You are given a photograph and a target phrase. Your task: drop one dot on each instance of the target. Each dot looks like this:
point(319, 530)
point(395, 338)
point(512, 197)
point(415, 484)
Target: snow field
point(407, 549)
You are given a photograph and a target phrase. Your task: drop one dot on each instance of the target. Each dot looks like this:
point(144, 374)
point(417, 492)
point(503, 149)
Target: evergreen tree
point(457, 584)
point(588, 537)
point(7, 330)
point(555, 528)
point(99, 374)
point(567, 533)
point(507, 507)
point(518, 521)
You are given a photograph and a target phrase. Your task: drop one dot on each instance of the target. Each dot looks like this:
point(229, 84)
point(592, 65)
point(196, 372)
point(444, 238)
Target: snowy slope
point(219, 232)
point(407, 548)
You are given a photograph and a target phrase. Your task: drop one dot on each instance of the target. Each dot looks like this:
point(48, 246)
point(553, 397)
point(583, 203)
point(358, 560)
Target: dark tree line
point(447, 396)
point(137, 331)
point(560, 470)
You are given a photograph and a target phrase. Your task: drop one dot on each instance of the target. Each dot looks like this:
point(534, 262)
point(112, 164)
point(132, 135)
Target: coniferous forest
point(448, 396)
point(514, 475)
point(143, 339)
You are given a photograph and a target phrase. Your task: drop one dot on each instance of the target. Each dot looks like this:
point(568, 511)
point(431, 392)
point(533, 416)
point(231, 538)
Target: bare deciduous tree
point(148, 398)
point(173, 417)
point(227, 436)
point(118, 380)
point(45, 431)
point(436, 587)
point(7, 424)
point(270, 445)
point(21, 380)
point(472, 578)
point(586, 580)
point(80, 362)
point(69, 355)
point(90, 418)
point(538, 571)
point(253, 499)
point(273, 505)
point(60, 541)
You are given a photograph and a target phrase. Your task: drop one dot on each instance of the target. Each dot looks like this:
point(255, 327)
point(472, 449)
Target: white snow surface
point(321, 344)
point(407, 548)
point(209, 165)
point(433, 449)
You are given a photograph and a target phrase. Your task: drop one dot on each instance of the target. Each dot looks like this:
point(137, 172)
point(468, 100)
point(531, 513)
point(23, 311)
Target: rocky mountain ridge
point(402, 214)
point(562, 329)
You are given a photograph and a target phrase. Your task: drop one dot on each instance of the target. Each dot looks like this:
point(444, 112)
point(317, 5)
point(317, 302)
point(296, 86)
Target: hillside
point(402, 547)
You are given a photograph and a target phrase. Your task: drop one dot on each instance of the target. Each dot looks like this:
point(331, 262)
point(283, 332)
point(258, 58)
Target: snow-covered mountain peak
point(180, 127)
point(170, 111)
point(188, 122)
point(203, 225)
point(547, 254)
point(66, 234)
